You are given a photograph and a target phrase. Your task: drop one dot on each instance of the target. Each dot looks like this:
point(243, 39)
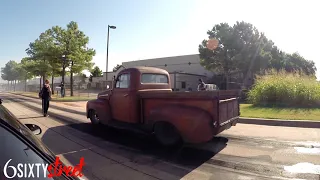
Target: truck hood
point(105, 93)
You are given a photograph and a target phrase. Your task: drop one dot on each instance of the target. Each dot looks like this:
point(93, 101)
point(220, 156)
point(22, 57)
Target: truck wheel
point(94, 117)
point(167, 134)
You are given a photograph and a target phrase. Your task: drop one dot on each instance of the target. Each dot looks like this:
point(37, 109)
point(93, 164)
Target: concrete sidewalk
point(74, 107)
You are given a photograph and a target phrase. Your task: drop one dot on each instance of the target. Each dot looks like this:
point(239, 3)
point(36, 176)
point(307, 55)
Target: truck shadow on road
point(131, 145)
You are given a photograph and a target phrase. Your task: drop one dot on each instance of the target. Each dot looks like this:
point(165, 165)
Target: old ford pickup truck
point(142, 100)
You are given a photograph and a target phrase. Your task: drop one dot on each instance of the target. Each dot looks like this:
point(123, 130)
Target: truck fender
point(102, 108)
point(195, 125)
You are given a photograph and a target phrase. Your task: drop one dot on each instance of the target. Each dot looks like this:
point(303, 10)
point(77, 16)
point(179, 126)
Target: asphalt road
point(242, 152)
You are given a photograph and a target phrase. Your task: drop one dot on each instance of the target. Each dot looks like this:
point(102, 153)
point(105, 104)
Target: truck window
point(154, 78)
point(123, 81)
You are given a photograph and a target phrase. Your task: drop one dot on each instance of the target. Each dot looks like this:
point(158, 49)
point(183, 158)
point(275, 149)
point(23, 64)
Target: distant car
point(18, 142)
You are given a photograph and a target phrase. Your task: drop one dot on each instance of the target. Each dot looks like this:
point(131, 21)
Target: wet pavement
point(242, 152)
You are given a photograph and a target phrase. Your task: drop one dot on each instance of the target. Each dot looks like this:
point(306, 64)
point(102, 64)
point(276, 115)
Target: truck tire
point(94, 117)
point(167, 134)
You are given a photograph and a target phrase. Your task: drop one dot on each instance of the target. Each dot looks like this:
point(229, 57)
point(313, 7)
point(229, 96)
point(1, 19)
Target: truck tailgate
point(228, 111)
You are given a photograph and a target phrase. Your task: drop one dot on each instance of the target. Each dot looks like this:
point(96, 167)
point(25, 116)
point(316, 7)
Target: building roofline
point(161, 58)
point(188, 74)
point(108, 72)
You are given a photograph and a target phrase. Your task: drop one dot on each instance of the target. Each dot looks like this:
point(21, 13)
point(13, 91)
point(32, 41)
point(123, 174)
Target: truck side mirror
point(34, 128)
point(117, 79)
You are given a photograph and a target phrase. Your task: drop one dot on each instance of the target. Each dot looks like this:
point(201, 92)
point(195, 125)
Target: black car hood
point(13, 121)
point(6, 117)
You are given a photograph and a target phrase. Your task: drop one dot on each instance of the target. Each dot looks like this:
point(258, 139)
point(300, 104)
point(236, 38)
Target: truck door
point(120, 100)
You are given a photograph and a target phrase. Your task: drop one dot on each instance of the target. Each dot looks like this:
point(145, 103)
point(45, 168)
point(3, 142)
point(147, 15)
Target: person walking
point(201, 85)
point(45, 95)
point(62, 89)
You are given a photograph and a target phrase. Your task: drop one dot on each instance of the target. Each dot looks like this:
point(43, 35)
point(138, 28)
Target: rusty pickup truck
point(142, 100)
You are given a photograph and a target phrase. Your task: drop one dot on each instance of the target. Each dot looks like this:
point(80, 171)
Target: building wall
point(174, 64)
point(186, 82)
point(181, 64)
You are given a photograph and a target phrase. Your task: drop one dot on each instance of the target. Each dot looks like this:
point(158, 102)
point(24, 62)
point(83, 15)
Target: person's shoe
point(44, 115)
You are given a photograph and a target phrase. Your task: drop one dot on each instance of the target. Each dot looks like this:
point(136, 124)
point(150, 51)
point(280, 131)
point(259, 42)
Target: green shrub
point(285, 89)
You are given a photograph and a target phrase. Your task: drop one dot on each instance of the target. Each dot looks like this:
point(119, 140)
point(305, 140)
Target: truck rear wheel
point(94, 117)
point(167, 134)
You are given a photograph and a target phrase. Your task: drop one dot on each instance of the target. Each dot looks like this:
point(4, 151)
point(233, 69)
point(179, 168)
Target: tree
point(10, 72)
point(6, 74)
point(223, 59)
point(25, 69)
point(244, 50)
point(95, 72)
point(295, 62)
point(42, 53)
point(82, 81)
point(72, 45)
point(116, 68)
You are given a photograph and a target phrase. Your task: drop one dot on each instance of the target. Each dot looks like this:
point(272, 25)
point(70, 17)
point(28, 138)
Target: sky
point(157, 28)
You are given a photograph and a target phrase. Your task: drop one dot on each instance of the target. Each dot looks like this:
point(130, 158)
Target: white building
point(184, 71)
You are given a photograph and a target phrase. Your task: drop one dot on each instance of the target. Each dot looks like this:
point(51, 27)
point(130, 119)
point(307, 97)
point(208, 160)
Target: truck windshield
point(154, 78)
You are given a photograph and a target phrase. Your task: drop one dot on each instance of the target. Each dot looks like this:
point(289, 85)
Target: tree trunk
point(40, 82)
point(52, 78)
point(63, 74)
point(71, 79)
point(14, 86)
point(63, 70)
point(43, 78)
point(71, 83)
point(25, 85)
point(8, 88)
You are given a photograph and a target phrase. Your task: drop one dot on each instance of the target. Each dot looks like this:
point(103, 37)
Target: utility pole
point(63, 67)
point(112, 27)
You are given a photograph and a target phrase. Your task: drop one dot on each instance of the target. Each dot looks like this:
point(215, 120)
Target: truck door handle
point(125, 95)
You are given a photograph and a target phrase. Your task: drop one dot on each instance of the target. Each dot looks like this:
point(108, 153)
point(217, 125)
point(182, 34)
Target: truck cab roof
point(142, 69)
point(144, 78)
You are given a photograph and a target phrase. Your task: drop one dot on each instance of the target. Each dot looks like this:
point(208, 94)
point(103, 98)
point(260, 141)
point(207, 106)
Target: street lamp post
point(64, 66)
point(64, 58)
point(112, 27)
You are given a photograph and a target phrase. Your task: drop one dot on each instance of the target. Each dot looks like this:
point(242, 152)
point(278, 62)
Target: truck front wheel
point(167, 134)
point(94, 117)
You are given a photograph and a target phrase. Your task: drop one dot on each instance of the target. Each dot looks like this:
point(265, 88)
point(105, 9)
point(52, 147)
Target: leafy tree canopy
point(96, 72)
point(117, 67)
point(243, 49)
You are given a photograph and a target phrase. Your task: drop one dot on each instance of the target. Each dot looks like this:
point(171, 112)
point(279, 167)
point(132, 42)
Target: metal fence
point(56, 91)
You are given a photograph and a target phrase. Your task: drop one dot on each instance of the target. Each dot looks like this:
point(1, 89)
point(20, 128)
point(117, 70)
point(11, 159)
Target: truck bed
point(223, 106)
point(160, 94)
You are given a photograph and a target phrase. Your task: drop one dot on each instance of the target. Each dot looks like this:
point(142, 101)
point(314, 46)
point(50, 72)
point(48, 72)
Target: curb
point(54, 100)
point(280, 122)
